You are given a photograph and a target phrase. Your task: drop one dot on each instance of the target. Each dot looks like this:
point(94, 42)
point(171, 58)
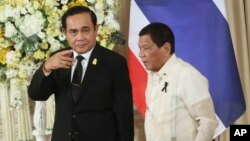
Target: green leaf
point(30, 44)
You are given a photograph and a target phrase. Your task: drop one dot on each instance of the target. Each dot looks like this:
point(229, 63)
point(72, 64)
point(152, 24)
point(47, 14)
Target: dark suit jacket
point(104, 110)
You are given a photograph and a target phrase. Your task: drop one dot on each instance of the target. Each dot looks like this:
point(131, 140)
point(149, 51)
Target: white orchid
point(10, 30)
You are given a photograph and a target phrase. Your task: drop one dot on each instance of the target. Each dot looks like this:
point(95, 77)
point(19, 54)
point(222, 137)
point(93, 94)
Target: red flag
point(138, 73)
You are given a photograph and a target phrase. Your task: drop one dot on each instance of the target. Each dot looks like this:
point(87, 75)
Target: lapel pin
point(94, 62)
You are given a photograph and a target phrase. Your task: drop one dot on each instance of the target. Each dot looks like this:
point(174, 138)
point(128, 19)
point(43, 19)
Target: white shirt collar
point(163, 72)
point(85, 55)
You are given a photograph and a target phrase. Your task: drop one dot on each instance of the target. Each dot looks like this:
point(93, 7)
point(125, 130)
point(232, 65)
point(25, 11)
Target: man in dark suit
point(99, 106)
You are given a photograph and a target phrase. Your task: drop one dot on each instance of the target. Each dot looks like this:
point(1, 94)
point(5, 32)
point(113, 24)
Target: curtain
point(238, 13)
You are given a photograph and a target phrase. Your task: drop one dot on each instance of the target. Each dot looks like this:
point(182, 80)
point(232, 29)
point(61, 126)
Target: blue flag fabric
point(203, 39)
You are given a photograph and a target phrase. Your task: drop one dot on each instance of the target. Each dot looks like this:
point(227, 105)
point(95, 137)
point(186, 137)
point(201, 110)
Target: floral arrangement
point(31, 31)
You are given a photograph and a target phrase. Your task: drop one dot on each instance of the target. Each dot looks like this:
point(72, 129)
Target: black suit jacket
point(104, 110)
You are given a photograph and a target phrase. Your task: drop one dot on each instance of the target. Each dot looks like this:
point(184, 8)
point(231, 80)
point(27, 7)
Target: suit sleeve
point(123, 103)
point(40, 87)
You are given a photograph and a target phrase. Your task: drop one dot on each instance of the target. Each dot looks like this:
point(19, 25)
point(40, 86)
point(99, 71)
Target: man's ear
point(167, 47)
point(96, 28)
point(63, 31)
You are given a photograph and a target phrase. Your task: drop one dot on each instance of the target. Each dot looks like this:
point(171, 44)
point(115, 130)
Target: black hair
point(160, 33)
point(77, 10)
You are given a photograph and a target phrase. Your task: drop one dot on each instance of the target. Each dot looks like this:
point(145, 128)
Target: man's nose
point(141, 54)
point(80, 36)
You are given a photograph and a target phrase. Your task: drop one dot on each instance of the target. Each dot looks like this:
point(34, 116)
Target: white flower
point(23, 11)
point(99, 6)
point(100, 16)
point(16, 12)
point(91, 1)
point(36, 5)
point(30, 69)
point(110, 2)
point(114, 24)
point(3, 18)
point(11, 73)
point(51, 3)
point(110, 20)
point(9, 11)
point(62, 37)
point(18, 45)
point(10, 29)
point(18, 22)
point(103, 42)
point(64, 2)
point(32, 24)
point(10, 54)
point(41, 35)
point(22, 73)
point(11, 57)
point(110, 14)
point(50, 39)
point(55, 46)
point(30, 8)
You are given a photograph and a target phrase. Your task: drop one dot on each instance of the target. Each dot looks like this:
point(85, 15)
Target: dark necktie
point(77, 76)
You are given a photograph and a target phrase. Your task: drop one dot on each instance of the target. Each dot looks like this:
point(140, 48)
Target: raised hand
point(61, 59)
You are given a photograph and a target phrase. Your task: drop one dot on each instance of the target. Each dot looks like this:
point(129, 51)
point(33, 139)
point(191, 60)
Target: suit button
point(76, 133)
point(74, 116)
point(69, 133)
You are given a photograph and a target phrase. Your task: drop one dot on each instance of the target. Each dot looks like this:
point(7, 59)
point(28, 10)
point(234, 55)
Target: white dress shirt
point(184, 110)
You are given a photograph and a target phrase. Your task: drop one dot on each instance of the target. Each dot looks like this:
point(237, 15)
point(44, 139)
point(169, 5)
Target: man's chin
point(147, 67)
point(80, 51)
point(80, 46)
